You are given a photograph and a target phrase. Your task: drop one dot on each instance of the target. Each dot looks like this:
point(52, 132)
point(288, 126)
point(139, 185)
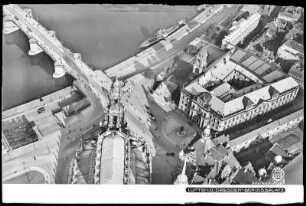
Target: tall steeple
point(182, 178)
point(115, 110)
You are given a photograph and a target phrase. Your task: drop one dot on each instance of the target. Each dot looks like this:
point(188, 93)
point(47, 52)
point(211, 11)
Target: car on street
point(170, 153)
point(40, 110)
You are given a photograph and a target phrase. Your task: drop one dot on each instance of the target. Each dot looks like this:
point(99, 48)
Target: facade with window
point(196, 110)
point(281, 125)
point(243, 30)
point(236, 93)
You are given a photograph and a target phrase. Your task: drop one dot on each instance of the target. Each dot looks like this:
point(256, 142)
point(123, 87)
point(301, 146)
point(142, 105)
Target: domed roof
point(206, 97)
point(262, 171)
point(278, 158)
point(206, 132)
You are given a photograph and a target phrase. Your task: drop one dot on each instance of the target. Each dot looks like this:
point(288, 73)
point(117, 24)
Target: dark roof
point(288, 141)
point(198, 179)
point(247, 102)
point(196, 138)
point(204, 170)
point(294, 45)
point(244, 178)
point(217, 153)
point(258, 47)
point(276, 150)
point(273, 91)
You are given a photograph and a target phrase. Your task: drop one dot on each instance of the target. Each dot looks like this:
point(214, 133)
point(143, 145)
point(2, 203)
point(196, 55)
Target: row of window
point(266, 134)
point(263, 108)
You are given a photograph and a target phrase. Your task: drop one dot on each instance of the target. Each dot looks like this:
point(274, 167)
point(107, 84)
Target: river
point(104, 35)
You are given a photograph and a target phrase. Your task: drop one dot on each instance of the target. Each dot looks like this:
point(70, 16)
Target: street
point(71, 135)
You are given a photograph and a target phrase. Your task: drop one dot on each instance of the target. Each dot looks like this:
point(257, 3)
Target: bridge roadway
point(53, 47)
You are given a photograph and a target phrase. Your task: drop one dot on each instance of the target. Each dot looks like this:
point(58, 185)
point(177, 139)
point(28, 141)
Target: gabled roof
point(276, 149)
point(217, 152)
point(247, 102)
point(273, 91)
point(112, 160)
point(198, 179)
point(295, 45)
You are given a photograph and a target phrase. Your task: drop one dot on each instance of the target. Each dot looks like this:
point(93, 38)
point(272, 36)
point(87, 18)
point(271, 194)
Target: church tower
point(182, 178)
point(200, 62)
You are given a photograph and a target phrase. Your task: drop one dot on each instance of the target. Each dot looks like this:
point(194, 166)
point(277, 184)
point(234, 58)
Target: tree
point(181, 130)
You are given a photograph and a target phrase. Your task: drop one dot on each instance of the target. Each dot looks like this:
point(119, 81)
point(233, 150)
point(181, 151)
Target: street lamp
point(26, 172)
point(47, 147)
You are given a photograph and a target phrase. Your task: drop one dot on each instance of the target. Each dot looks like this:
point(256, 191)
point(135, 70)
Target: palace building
point(236, 88)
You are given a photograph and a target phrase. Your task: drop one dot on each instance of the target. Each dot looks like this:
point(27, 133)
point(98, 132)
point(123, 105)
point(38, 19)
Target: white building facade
point(214, 99)
point(242, 30)
point(193, 106)
point(290, 50)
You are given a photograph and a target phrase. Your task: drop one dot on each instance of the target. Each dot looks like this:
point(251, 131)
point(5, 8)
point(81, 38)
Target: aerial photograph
point(126, 94)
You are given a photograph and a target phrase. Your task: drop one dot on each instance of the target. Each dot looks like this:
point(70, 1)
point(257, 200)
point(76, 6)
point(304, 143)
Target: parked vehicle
point(170, 153)
point(40, 110)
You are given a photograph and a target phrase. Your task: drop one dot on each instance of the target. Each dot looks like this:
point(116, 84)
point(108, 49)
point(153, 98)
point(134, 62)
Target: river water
point(104, 34)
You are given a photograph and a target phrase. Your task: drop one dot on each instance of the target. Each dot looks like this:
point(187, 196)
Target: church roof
point(217, 152)
point(112, 160)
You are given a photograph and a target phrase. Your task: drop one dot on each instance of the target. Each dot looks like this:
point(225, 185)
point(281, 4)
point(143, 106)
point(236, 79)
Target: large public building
point(236, 88)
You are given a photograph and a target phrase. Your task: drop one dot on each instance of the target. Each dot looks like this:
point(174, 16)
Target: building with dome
point(115, 156)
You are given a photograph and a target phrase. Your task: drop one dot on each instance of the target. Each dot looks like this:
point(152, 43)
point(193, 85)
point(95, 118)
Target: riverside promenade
point(49, 101)
point(173, 44)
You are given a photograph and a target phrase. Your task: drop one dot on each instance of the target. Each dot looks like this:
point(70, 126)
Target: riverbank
point(103, 37)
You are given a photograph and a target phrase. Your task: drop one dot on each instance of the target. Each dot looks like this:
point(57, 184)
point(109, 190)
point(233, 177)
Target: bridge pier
point(34, 47)
point(58, 70)
point(9, 26)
